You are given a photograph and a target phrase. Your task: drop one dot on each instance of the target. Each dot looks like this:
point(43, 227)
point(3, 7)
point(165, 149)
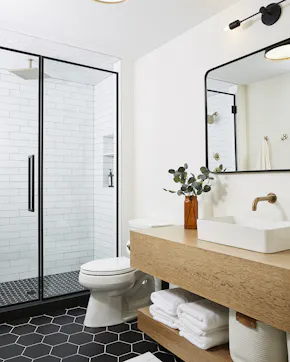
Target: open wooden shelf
point(170, 339)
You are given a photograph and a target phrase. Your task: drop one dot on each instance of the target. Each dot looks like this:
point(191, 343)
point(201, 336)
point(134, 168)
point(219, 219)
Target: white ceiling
point(127, 30)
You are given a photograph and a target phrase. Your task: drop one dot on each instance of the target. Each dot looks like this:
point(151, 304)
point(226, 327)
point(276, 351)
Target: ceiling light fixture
point(279, 51)
point(110, 1)
point(270, 15)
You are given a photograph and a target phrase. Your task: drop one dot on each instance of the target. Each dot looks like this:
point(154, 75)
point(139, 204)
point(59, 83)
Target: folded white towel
point(185, 324)
point(206, 342)
point(204, 314)
point(170, 299)
point(160, 316)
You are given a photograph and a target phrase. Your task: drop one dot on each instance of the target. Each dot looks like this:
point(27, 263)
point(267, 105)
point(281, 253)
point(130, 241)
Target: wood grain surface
point(257, 285)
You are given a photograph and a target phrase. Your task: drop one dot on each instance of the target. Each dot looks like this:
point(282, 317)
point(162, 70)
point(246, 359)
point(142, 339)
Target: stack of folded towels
point(165, 304)
point(204, 323)
point(201, 321)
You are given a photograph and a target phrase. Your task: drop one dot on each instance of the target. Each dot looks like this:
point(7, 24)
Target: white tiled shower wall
point(105, 149)
point(70, 177)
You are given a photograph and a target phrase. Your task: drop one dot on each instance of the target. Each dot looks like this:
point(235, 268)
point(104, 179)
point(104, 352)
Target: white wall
point(269, 119)
point(169, 115)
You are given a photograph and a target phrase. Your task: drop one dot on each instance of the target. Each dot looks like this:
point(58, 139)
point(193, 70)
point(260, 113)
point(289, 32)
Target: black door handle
point(31, 183)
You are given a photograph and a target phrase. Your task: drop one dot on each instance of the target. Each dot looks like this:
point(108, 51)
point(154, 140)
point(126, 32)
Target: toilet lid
point(111, 266)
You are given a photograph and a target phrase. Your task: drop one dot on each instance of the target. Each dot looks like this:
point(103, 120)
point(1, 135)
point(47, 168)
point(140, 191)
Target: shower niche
point(108, 161)
point(53, 211)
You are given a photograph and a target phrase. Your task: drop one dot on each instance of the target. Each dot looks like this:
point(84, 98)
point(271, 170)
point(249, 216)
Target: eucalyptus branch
point(190, 185)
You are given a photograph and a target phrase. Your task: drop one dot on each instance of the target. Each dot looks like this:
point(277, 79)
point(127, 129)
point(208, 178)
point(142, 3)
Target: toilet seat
point(107, 267)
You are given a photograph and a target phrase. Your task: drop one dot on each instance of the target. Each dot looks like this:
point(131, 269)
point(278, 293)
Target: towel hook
point(284, 137)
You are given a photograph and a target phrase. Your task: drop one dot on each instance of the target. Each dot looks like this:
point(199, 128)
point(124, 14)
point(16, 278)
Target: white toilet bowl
point(117, 291)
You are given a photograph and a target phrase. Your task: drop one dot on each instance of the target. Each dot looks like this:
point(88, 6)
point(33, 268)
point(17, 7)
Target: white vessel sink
point(253, 234)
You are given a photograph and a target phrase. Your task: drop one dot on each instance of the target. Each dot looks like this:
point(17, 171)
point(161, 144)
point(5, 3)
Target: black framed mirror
point(247, 112)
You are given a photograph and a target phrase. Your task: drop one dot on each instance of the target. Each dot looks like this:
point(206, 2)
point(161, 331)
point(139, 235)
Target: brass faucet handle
point(272, 198)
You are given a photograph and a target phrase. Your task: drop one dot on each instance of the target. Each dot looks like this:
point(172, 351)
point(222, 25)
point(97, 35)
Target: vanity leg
point(164, 285)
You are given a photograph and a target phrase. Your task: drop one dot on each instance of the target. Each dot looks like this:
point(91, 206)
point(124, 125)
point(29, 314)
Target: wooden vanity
point(257, 285)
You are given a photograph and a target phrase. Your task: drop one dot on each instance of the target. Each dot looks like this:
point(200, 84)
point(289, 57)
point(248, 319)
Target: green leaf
point(211, 178)
point(176, 179)
point(172, 171)
point(186, 166)
point(202, 177)
point(191, 180)
point(207, 188)
point(204, 170)
point(172, 192)
point(184, 188)
point(221, 167)
point(190, 189)
point(181, 169)
point(177, 174)
point(199, 192)
point(179, 193)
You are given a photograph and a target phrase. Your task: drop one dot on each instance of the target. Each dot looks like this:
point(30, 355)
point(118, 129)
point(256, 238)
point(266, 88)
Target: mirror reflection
point(248, 112)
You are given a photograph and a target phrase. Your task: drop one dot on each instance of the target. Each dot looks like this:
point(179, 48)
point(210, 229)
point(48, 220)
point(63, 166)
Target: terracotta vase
point(190, 212)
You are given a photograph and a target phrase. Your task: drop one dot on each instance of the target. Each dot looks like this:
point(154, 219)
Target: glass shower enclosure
point(58, 174)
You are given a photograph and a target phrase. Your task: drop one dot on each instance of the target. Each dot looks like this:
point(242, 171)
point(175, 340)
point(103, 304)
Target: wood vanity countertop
point(252, 283)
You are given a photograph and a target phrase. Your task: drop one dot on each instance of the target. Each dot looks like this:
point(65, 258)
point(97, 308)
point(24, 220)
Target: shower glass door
point(79, 182)
point(19, 136)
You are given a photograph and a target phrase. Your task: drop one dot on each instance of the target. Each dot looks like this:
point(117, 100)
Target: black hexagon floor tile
point(12, 350)
point(131, 337)
point(81, 338)
point(48, 329)
point(104, 358)
point(30, 339)
point(94, 330)
point(60, 336)
point(20, 359)
point(76, 358)
point(119, 328)
point(40, 321)
point(64, 350)
point(55, 339)
point(91, 349)
point(75, 312)
point(37, 350)
point(71, 328)
point(47, 359)
point(118, 348)
point(7, 339)
point(64, 319)
point(106, 337)
point(164, 357)
point(144, 346)
point(4, 328)
point(23, 329)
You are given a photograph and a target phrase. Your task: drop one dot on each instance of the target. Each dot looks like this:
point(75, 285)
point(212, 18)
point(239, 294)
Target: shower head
point(28, 73)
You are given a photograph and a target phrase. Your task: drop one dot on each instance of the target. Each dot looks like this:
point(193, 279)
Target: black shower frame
point(41, 299)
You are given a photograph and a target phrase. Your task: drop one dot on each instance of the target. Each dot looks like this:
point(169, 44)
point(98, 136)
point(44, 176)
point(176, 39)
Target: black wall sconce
point(270, 15)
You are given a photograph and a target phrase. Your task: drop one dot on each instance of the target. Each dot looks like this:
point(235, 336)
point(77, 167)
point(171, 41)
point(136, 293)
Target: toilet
point(117, 289)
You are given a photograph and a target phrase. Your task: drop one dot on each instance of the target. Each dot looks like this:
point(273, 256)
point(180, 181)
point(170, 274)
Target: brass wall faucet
point(271, 198)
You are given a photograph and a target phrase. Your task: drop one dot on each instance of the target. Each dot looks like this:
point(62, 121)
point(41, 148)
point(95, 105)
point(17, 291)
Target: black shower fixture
point(270, 15)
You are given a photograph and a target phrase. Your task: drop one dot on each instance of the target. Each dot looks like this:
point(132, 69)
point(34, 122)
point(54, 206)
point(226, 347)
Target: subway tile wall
point(104, 153)
point(79, 210)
